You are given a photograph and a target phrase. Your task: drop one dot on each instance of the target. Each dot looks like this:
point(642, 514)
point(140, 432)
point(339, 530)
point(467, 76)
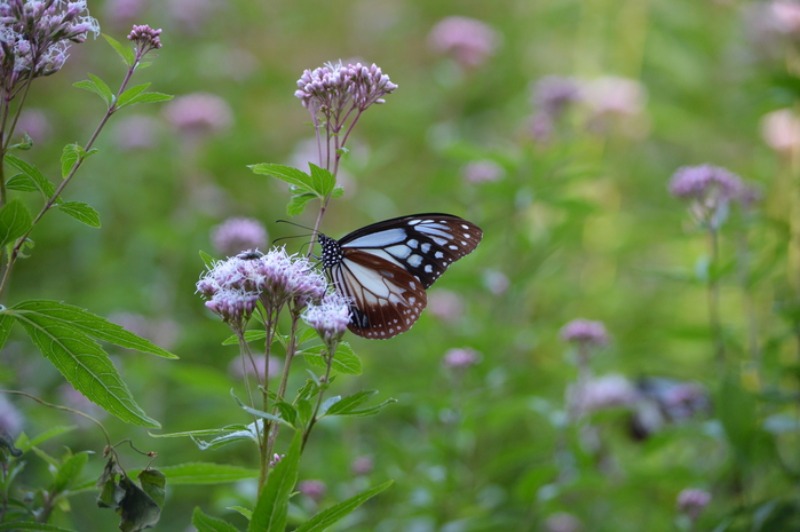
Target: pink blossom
point(199, 114)
point(469, 42)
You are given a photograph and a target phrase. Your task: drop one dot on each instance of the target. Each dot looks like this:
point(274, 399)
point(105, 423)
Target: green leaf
point(42, 183)
point(15, 221)
point(6, 321)
point(251, 335)
point(125, 52)
point(49, 434)
point(323, 181)
point(297, 203)
point(335, 513)
point(69, 470)
point(97, 86)
point(337, 192)
point(349, 403)
point(83, 363)
point(82, 212)
point(32, 525)
point(131, 93)
point(289, 174)
point(345, 362)
point(223, 436)
point(273, 503)
point(71, 154)
point(205, 473)
point(92, 325)
point(22, 183)
point(351, 410)
point(208, 260)
point(206, 523)
point(153, 483)
point(150, 97)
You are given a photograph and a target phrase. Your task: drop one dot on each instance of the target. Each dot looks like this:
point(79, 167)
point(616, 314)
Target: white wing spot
point(439, 241)
point(463, 242)
point(464, 226)
point(415, 260)
point(426, 247)
point(438, 254)
point(453, 247)
point(414, 222)
point(428, 268)
point(413, 243)
point(400, 251)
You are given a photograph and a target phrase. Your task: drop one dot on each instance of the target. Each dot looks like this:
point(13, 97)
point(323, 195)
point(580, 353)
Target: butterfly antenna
point(294, 224)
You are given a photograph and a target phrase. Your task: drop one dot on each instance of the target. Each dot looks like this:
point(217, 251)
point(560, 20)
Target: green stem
point(325, 381)
point(714, 320)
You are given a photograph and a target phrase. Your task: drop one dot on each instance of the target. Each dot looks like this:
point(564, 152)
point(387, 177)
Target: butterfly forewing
point(384, 268)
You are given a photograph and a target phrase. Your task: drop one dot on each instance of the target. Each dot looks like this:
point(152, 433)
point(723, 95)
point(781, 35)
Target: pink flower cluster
point(336, 89)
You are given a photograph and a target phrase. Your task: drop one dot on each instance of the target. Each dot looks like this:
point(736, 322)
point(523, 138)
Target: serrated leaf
point(69, 156)
point(131, 93)
point(125, 52)
point(6, 322)
point(32, 525)
point(350, 402)
point(42, 183)
point(206, 523)
point(22, 183)
point(69, 470)
point(92, 325)
point(102, 89)
point(204, 473)
point(15, 221)
point(83, 363)
point(297, 203)
point(322, 180)
point(82, 212)
point(288, 174)
point(345, 361)
point(150, 97)
point(335, 513)
point(273, 503)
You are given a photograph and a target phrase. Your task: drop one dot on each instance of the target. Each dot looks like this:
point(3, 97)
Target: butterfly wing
point(384, 268)
point(385, 300)
point(423, 244)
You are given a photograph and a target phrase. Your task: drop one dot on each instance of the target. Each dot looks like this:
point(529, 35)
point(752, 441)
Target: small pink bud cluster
point(329, 318)
point(710, 190)
point(585, 332)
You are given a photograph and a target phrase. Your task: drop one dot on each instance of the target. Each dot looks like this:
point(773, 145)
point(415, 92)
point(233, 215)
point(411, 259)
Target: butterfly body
point(384, 268)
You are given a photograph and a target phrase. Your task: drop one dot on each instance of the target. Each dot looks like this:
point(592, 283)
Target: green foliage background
point(582, 227)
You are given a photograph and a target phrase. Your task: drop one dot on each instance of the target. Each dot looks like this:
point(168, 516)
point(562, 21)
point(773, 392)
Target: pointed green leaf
point(288, 174)
point(15, 221)
point(49, 434)
point(204, 473)
point(6, 321)
point(153, 483)
point(22, 183)
point(82, 212)
point(125, 52)
point(91, 325)
point(131, 93)
point(69, 156)
point(345, 361)
point(102, 89)
point(335, 513)
point(69, 470)
point(150, 97)
point(350, 402)
point(42, 183)
point(223, 436)
point(273, 503)
point(323, 181)
point(33, 525)
point(206, 523)
point(298, 202)
point(83, 363)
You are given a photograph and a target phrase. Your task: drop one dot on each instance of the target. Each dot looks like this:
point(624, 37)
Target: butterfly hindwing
point(384, 268)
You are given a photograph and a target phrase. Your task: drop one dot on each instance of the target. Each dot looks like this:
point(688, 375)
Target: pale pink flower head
point(121, 12)
point(781, 131)
point(199, 114)
point(362, 465)
point(330, 317)
point(35, 123)
point(600, 393)
point(484, 171)
point(709, 190)
point(785, 16)
point(613, 95)
point(469, 42)
point(562, 522)
point(495, 281)
point(692, 502)
point(445, 305)
point(585, 332)
point(145, 39)
point(337, 88)
point(136, 132)
point(313, 489)
point(238, 234)
point(460, 358)
point(553, 94)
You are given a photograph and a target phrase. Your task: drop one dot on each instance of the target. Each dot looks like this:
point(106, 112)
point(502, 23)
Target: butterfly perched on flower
point(383, 269)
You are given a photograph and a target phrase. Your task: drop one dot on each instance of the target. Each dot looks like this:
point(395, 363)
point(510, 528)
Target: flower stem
point(714, 321)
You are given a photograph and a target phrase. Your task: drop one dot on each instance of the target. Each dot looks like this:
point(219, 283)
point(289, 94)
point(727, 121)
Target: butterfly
point(383, 269)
